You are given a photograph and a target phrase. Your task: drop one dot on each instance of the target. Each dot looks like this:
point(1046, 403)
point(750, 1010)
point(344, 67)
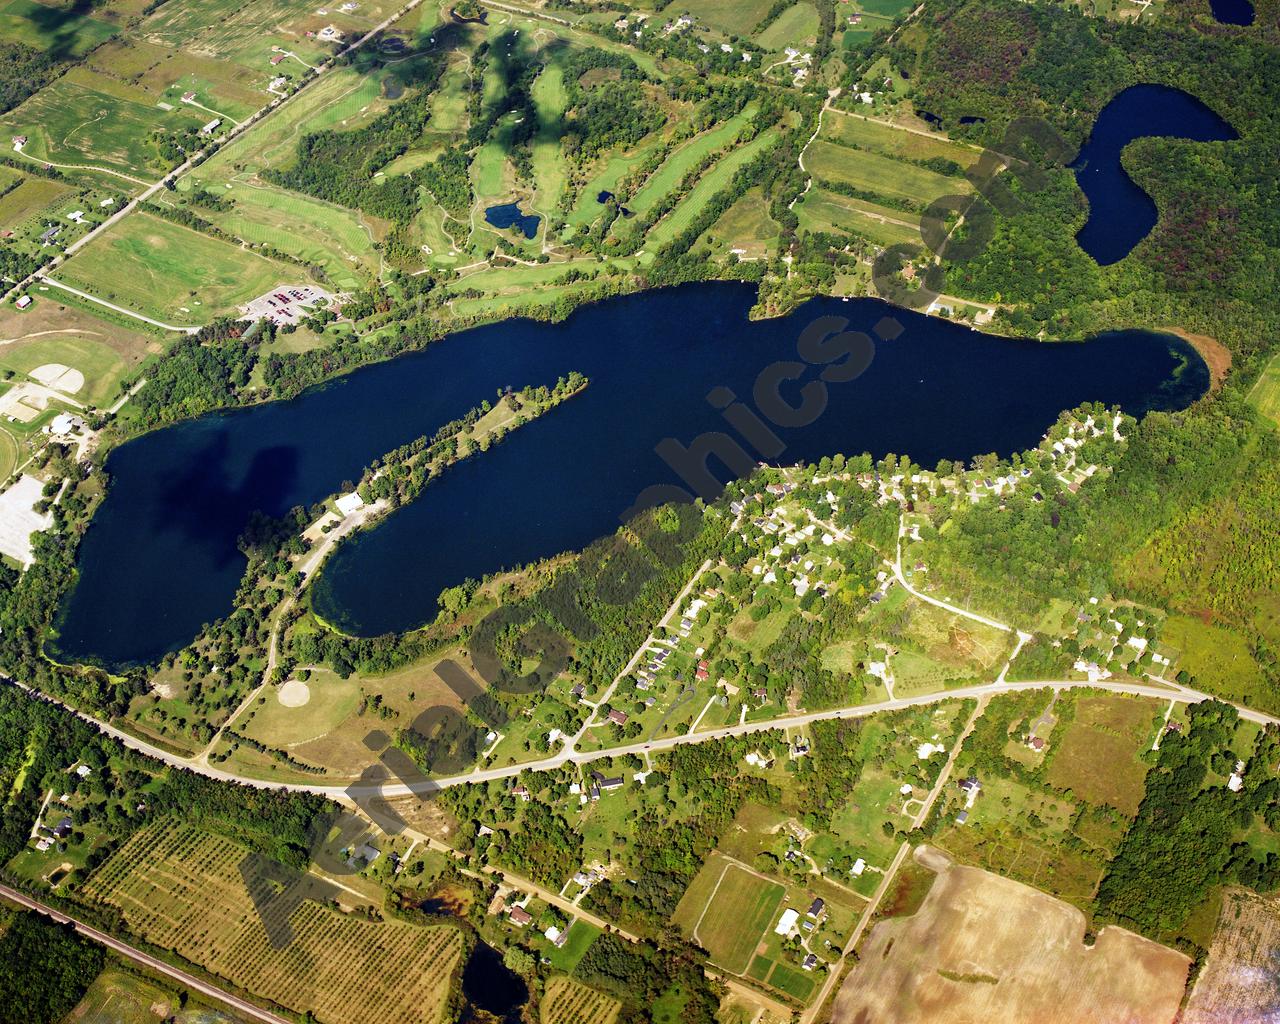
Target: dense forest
point(45, 969)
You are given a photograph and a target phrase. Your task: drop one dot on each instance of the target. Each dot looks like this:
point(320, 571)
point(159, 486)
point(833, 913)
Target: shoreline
point(1215, 354)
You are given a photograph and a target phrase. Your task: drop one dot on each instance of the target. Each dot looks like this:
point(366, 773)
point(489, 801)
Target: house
point(348, 503)
point(330, 34)
point(816, 908)
point(23, 302)
point(578, 691)
point(19, 141)
point(617, 717)
point(1036, 744)
point(760, 693)
point(276, 58)
point(1236, 782)
point(519, 916)
point(211, 127)
point(84, 771)
point(962, 817)
point(787, 922)
point(556, 936)
point(810, 961)
point(62, 829)
point(520, 791)
point(607, 783)
point(859, 866)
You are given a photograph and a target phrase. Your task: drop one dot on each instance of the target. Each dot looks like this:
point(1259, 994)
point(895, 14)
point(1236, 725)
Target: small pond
point(508, 215)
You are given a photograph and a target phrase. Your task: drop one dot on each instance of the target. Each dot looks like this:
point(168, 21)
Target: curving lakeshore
point(1121, 214)
point(161, 556)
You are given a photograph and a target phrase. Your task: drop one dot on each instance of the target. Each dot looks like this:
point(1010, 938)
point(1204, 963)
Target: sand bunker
point(294, 694)
point(59, 377)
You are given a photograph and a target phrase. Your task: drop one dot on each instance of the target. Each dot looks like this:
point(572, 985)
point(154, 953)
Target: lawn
point(63, 30)
point(796, 26)
point(728, 911)
point(1097, 759)
point(170, 272)
point(549, 100)
point(881, 175)
point(1265, 395)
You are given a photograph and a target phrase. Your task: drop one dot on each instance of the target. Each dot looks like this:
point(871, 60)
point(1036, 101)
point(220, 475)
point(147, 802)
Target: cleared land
point(796, 26)
point(727, 910)
point(1239, 983)
point(984, 948)
point(1265, 396)
point(1097, 759)
point(852, 130)
point(64, 30)
point(176, 275)
point(734, 17)
point(881, 175)
point(825, 211)
point(181, 888)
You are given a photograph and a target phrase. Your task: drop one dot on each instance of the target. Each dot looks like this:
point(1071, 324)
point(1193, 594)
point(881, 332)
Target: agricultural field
point(859, 132)
point(1239, 984)
point(829, 212)
point(796, 27)
point(64, 31)
point(727, 910)
point(732, 17)
point(120, 996)
point(1098, 757)
point(566, 1001)
point(176, 275)
point(86, 119)
point(1265, 395)
point(880, 175)
point(983, 947)
point(182, 889)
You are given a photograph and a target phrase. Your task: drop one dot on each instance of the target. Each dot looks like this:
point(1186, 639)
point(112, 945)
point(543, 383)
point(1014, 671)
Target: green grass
point(1265, 395)
point(88, 119)
point(549, 99)
point(332, 700)
point(581, 936)
point(46, 27)
point(103, 368)
point(828, 212)
point(734, 17)
point(617, 167)
point(793, 982)
point(678, 164)
point(881, 175)
point(169, 272)
point(796, 26)
point(745, 225)
point(708, 185)
point(1219, 659)
point(29, 199)
point(852, 130)
point(727, 910)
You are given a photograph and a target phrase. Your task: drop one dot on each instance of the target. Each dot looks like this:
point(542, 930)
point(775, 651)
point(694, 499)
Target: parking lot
point(287, 304)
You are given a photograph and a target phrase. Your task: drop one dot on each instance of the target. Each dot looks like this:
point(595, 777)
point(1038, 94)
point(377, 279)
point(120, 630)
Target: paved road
point(188, 981)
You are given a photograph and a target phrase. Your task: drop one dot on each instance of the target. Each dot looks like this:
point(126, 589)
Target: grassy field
point(733, 17)
point(28, 200)
point(1219, 659)
point(881, 175)
point(170, 272)
point(825, 211)
point(677, 165)
point(745, 226)
point(51, 332)
point(549, 172)
point(727, 910)
point(1097, 759)
point(940, 649)
point(566, 1001)
point(708, 185)
point(62, 30)
point(852, 130)
point(985, 948)
point(796, 26)
point(182, 889)
point(1265, 395)
point(87, 118)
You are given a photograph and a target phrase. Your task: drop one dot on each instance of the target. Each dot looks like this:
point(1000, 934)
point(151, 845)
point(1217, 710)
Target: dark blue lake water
point(161, 556)
point(1232, 12)
point(1120, 213)
point(508, 215)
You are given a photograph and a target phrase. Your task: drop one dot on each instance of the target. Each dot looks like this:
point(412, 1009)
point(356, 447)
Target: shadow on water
point(489, 985)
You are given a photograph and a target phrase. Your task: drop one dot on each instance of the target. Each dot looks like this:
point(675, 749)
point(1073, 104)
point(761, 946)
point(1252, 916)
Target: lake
point(1232, 12)
point(508, 215)
point(1120, 213)
point(160, 558)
